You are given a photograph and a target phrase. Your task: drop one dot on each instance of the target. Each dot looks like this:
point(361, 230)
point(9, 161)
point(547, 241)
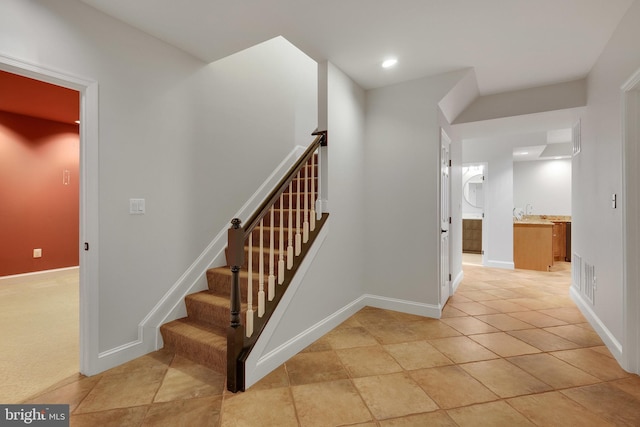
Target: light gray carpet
point(39, 329)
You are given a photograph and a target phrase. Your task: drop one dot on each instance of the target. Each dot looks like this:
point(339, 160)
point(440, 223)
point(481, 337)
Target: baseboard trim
point(500, 264)
point(35, 273)
point(403, 306)
point(456, 282)
point(614, 346)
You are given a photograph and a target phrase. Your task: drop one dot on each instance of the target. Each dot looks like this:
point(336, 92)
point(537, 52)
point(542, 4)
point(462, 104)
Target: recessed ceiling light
point(521, 153)
point(389, 63)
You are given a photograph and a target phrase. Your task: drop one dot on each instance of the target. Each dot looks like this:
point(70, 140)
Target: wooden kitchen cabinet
point(559, 241)
point(533, 245)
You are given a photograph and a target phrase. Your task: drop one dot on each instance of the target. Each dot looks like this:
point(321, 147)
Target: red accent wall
point(39, 207)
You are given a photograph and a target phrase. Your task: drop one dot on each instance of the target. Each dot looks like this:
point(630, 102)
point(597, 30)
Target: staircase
point(202, 335)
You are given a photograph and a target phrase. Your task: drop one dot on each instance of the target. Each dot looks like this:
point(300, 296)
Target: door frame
point(444, 282)
point(88, 199)
point(630, 226)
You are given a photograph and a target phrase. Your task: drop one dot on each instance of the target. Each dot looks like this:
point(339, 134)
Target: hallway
point(511, 350)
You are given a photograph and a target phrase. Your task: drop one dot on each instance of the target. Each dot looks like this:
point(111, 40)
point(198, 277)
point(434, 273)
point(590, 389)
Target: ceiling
point(511, 44)
point(22, 95)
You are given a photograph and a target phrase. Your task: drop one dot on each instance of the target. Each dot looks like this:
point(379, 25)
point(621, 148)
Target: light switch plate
point(136, 206)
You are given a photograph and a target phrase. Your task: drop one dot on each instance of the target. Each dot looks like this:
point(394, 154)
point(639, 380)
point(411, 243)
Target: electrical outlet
point(37, 253)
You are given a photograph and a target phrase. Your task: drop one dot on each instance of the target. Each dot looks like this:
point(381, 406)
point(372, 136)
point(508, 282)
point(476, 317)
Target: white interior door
point(445, 217)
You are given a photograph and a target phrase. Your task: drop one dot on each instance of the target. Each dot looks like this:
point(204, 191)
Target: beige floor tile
point(431, 419)
point(457, 298)
point(553, 371)
point(321, 344)
point(630, 385)
point(545, 341)
point(349, 337)
point(567, 314)
point(430, 329)
point(504, 306)
point(122, 390)
point(417, 355)
point(555, 409)
point(503, 293)
point(581, 336)
point(609, 402)
point(277, 378)
point(593, 362)
point(202, 412)
point(392, 332)
point(504, 344)
point(537, 319)
point(272, 407)
point(478, 295)
point(504, 322)
point(533, 303)
point(469, 325)
point(186, 379)
point(474, 308)
point(129, 417)
point(603, 350)
point(444, 385)
point(504, 378)
point(371, 316)
point(393, 395)
point(493, 414)
point(305, 368)
point(70, 394)
point(330, 403)
point(450, 311)
point(462, 349)
point(366, 361)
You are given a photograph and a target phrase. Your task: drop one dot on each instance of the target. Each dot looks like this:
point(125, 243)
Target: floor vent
point(576, 271)
point(589, 284)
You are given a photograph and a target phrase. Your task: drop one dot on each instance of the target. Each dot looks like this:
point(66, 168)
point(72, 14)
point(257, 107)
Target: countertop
point(542, 219)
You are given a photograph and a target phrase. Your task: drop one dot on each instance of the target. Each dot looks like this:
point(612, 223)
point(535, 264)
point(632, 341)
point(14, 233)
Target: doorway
point(88, 200)
point(445, 217)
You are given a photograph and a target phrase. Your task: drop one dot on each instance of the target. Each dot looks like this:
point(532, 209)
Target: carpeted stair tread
point(198, 342)
point(209, 308)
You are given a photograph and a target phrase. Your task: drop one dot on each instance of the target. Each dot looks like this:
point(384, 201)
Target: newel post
point(235, 331)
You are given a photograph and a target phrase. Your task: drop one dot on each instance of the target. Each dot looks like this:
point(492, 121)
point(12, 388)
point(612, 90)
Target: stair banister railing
point(241, 339)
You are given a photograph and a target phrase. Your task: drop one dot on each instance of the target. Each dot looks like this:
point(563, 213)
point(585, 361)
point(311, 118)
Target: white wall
point(597, 174)
point(172, 130)
point(401, 194)
point(497, 153)
point(544, 184)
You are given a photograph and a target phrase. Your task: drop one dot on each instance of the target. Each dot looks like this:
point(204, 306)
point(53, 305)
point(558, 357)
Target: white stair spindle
point(290, 233)
point(249, 321)
point(298, 246)
point(272, 277)
point(305, 224)
point(281, 245)
point(312, 215)
point(261, 302)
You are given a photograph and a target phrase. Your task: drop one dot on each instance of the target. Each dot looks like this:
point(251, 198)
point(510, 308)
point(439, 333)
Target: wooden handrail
point(250, 224)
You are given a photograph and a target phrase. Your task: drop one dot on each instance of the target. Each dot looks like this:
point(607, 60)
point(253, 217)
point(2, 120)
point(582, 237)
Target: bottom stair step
point(198, 342)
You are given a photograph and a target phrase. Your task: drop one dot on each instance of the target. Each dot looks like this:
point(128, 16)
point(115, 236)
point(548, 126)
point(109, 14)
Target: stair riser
point(208, 356)
point(220, 284)
point(209, 314)
point(256, 257)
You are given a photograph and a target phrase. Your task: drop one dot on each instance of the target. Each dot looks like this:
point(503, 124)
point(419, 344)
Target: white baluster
point(312, 216)
point(272, 277)
point(281, 245)
point(305, 224)
point(298, 246)
point(249, 321)
point(290, 234)
point(261, 273)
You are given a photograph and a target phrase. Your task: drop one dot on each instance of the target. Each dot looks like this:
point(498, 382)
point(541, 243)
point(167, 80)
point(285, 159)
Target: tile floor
point(510, 350)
